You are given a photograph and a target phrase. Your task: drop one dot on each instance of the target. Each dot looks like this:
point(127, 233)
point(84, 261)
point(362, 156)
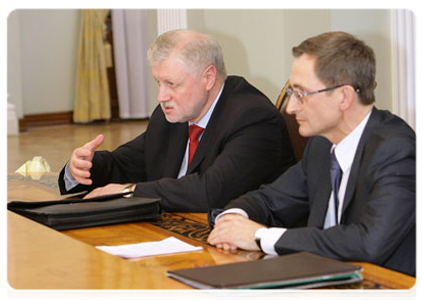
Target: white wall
point(258, 43)
point(47, 45)
point(49, 56)
point(253, 44)
point(373, 26)
point(14, 66)
point(43, 45)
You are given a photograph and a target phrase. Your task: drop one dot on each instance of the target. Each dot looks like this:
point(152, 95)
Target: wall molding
point(47, 119)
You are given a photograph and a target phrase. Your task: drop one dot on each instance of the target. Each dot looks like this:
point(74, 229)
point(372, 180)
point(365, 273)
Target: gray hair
point(194, 50)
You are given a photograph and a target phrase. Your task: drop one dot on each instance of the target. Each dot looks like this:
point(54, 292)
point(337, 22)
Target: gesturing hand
point(80, 162)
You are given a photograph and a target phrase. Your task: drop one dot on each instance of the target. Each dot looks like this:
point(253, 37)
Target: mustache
point(167, 105)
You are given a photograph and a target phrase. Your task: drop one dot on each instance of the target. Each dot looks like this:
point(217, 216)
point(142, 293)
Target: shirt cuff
point(70, 182)
point(231, 211)
point(269, 237)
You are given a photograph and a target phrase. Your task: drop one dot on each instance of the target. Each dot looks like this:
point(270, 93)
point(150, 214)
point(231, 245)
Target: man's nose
point(163, 95)
point(292, 106)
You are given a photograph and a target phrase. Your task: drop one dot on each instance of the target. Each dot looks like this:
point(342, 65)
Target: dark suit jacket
point(378, 221)
point(244, 145)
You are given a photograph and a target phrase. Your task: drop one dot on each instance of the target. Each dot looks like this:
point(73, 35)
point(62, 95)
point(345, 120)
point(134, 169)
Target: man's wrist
point(258, 235)
point(231, 211)
point(269, 237)
point(70, 182)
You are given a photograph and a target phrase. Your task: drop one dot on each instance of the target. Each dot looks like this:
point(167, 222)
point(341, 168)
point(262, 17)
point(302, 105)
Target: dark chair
point(298, 142)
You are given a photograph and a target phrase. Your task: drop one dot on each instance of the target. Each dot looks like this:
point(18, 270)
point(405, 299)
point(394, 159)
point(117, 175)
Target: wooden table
point(42, 258)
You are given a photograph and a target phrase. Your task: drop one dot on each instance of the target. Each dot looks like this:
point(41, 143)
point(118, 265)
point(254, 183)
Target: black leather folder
point(103, 210)
point(298, 270)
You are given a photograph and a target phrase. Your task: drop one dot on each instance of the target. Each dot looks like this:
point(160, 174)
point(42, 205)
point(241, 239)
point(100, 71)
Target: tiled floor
point(56, 143)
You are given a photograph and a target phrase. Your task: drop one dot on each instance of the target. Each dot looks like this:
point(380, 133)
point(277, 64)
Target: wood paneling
point(47, 119)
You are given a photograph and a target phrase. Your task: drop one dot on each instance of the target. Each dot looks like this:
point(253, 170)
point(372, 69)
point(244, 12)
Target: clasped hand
point(234, 231)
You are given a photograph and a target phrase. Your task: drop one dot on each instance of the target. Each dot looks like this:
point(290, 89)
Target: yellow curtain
point(92, 99)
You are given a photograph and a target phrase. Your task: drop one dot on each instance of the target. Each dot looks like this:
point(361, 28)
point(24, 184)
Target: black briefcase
point(103, 210)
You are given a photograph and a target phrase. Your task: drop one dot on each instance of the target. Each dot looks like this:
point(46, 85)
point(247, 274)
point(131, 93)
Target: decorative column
point(168, 19)
point(404, 62)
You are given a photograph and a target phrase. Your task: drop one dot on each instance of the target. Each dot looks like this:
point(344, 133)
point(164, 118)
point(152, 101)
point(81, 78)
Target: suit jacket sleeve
point(244, 145)
point(283, 203)
point(108, 167)
point(379, 218)
point(252, 150)
point(381, 214)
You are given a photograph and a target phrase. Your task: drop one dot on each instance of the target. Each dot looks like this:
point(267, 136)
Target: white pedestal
point(12, 120)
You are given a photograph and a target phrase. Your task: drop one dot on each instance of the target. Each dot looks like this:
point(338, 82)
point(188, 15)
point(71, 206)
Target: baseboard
point(48, 119)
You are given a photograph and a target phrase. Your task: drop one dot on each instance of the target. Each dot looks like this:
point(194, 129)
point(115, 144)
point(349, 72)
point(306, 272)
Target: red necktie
point(194, 132)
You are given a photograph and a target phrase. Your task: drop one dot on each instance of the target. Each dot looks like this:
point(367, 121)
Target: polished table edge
point(194, 226)
point(200, 230)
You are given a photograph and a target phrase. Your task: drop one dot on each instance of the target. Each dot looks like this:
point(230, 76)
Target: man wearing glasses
point(352, 196)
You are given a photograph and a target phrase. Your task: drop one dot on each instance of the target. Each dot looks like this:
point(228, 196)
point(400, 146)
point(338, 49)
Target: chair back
point(298, 142)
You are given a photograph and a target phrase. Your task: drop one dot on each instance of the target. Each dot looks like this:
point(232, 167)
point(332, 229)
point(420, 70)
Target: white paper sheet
point(167, 246)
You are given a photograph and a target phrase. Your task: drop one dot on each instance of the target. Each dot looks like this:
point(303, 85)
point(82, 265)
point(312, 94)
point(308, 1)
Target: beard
point(174, 114)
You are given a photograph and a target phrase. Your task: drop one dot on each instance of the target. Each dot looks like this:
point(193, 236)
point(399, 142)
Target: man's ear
point(210, 76)
point(348, 95)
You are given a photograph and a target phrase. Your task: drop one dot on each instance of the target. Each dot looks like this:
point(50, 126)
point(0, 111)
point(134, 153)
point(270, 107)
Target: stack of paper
point(167, 246)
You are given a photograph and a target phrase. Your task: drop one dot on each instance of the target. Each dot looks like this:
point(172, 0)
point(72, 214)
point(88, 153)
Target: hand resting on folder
point(112, 188)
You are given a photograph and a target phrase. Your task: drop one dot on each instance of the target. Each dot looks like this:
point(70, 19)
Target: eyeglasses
point(300, 95)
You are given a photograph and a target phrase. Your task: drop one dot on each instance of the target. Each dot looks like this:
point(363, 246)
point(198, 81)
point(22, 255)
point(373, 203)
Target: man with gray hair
point(211, 138)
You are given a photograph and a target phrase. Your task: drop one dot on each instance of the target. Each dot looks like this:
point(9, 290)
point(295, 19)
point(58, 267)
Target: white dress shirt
point(345, 152)
point(203, 124)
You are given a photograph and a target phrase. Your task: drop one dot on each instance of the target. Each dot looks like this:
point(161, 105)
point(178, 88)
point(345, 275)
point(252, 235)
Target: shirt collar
point(206, 118)
point(345, 150)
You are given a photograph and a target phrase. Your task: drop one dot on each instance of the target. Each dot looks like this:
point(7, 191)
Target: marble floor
point(56, 143)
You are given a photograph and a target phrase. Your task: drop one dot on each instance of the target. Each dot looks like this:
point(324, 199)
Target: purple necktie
point(335, 176)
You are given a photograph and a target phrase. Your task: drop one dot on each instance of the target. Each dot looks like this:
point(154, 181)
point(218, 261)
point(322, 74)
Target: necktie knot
point(194, 133)
point(334, 164)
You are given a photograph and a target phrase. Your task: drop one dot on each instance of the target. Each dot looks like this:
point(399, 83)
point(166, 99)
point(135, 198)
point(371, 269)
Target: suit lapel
point(210, 135)
point(349, 193)
point(215, 126)
point(352, 180)
point(199, 155)
point(178, 138)
point(321, 200)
